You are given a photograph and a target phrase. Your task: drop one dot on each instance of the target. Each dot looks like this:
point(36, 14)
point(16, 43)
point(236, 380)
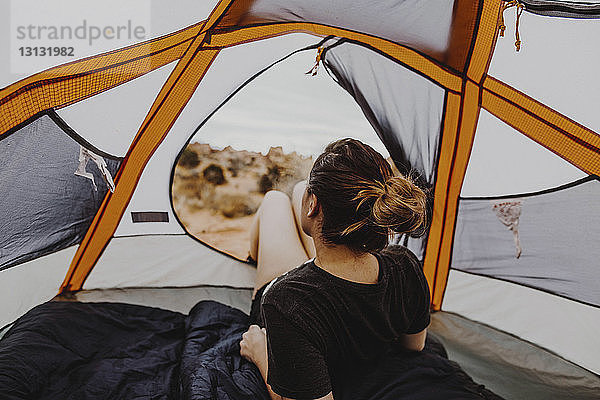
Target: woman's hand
point(253, 346)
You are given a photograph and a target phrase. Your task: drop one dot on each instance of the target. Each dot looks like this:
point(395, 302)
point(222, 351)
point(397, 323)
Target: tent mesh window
point(53, 193)
point(544, 240)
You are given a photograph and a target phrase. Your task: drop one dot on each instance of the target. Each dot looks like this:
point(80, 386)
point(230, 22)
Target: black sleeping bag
point(64, 350)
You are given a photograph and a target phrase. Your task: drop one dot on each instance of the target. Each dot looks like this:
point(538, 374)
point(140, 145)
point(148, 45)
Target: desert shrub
point(265, 183)
point(235, 206)
point(214, 174)
point(235, 165)
point(189, 158)
point(269, 180)
point(274, 172)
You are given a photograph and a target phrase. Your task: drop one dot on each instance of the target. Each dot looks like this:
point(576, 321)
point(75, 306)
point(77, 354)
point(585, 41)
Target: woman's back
point(322, 324)
point(323, 328)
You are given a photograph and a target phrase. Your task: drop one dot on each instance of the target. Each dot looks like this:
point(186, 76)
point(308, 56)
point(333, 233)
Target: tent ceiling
point(557, 64)
point(111, 119)
point(420, 24)
point(504, 161)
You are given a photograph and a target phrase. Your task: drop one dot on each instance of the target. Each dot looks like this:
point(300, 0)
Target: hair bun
point(400, 205)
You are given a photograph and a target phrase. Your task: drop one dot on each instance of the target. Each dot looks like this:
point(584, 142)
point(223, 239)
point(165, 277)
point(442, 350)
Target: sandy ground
point(231, 235)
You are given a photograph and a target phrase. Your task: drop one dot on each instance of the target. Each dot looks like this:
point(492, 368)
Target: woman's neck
point(347, 264)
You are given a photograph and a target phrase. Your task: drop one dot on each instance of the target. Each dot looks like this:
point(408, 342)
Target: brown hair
point(361, 199)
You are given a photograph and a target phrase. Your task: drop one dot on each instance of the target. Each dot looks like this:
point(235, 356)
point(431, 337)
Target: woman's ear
point(313, 206)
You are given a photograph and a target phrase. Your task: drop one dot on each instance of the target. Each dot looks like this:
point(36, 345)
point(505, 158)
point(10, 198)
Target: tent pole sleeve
point(467, 126)
point(171, 100)
point(485, 40)
point(572, 141)
point(453, 160)
point(446, 155)
point(438, 73)
point(88, 77)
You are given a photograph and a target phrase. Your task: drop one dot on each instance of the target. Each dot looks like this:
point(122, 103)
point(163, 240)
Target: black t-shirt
point(322, 329)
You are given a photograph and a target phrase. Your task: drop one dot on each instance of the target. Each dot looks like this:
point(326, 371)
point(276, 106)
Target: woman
point(329, 321)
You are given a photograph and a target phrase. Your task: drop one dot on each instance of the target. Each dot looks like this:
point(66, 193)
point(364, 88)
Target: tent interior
point(519, 309)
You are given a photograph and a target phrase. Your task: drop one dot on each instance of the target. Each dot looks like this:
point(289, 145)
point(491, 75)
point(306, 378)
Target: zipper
point(562, 8)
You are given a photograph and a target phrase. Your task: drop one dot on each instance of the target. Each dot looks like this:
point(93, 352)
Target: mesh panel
point(405, 110)
point(547, 241)
point(44, 206)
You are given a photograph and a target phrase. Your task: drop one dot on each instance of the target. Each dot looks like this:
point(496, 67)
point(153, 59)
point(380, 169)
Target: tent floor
point(503, 363)
point(509, 366)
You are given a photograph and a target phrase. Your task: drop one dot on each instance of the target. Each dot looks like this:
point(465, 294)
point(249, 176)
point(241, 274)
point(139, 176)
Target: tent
point(89, 149)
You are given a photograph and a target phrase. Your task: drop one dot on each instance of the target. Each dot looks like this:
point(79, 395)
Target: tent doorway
point(265, 137)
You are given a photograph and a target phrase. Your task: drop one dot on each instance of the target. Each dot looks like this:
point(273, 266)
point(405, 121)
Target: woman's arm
point(253, 347)
point(415, 341)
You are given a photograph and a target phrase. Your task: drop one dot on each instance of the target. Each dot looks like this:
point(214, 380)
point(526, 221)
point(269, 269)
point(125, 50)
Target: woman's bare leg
point(274, 239)
point(307, 241)
point(254, 236)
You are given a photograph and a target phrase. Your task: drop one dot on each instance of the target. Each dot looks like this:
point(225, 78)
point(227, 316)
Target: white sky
point(285, 107)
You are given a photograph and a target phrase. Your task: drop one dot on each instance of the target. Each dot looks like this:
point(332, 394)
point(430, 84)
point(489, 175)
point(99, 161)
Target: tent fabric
point(565, 83)
point(501, 160)
point(38, 183)
point(31, 283)
point(564, 327)
point(166, 261)
point(406, 112)
point(111, 119)
point(576, 143)
point(72, 82)
point(557, 231)
point(511, 367)
point(158, 17)
point(418, 24)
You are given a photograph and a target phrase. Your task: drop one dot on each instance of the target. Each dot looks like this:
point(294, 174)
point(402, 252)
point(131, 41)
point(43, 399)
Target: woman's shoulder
point(404, 263)
point(401, 255)
point(291, 288)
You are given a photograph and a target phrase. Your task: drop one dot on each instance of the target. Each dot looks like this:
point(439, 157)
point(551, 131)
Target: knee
point(274, 202)
point(299, 189)
point(275, 196)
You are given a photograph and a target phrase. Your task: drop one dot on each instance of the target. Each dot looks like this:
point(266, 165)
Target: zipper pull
point(506, 6)
point(520, 8)
point(502, 26)
point(315, 68)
